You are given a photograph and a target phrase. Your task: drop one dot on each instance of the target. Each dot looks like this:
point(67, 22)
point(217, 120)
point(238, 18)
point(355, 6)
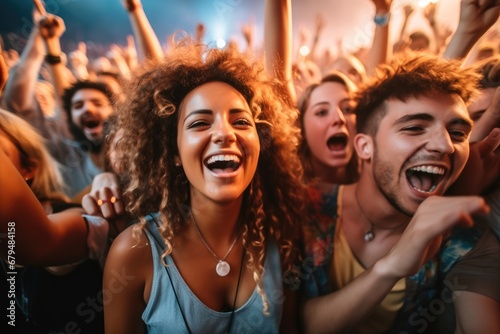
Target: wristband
point(97, 237)
point(131, 6)
point(52, 60)
point(382, 19)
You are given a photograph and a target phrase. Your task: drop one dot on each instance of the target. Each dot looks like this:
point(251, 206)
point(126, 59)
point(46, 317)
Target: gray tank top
point(162, 313)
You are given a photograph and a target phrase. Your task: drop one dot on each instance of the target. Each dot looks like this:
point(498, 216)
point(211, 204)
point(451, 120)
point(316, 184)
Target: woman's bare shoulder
point(131, 248)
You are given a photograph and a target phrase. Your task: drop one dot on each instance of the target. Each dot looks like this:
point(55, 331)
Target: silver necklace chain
point(222, 268)
point(370, 234)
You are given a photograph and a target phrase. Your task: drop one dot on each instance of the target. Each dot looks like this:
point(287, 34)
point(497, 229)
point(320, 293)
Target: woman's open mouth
point(337, 142)
point(223, 163)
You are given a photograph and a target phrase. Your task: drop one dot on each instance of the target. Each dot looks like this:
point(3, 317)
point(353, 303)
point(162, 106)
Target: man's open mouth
point(91, 123)
point(425, 178)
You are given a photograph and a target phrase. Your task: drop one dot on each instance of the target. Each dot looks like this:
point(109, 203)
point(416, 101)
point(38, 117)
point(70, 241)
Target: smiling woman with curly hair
point(209, 146)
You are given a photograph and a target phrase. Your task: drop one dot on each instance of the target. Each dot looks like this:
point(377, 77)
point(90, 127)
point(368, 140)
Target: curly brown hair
point(408, 77)
point(274, 201)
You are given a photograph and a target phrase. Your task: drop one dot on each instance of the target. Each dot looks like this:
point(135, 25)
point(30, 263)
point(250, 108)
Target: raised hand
point(78, 57)
point(11, 57)
point(130, 53)
point(477, 16)
point(149, 45)
point(320, 24)
point(51, 26)
point(116, 55)
point(432, 222)
point(408, 10)
point(304, 35)
point(430, 13)
point(200, 32)
point(79, 61)
point(248, 33)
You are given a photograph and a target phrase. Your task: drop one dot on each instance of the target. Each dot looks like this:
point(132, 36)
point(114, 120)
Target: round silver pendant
point(369, 236)
point(222, 268)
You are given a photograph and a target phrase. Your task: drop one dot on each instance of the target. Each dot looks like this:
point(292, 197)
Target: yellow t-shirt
point(346, 267)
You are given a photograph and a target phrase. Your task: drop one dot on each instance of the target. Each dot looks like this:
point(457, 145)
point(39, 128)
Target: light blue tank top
point(162, 313)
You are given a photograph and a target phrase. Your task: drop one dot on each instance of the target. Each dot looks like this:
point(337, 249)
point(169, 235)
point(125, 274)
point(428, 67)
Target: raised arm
point(130, 53)
point(320, 25)
point(278, 41)
point(430, 16)
point(51, 28)
point(143, 32)
point(378, 53)
point(79, 61)
point(407, 11)
point(476, 17)
point(248, 31)
point(403, 43)
point(19, 92)
point(341, 310)
point(115, 54)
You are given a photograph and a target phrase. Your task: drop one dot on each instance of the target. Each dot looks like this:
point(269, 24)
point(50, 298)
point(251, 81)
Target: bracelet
point(382, 19)
point(131, 6)
point(52, 60)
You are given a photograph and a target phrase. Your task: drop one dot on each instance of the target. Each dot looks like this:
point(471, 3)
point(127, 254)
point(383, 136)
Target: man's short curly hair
point(408, 77)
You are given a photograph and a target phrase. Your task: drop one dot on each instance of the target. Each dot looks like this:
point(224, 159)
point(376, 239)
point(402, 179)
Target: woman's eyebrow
point(198, 112)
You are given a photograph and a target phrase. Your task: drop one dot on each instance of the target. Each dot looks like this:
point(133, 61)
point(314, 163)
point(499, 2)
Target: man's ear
point(363, 144)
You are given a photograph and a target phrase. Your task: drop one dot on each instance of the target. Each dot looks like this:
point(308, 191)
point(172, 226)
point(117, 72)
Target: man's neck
point(374, 208)
point(98, 159)
point(370, 213)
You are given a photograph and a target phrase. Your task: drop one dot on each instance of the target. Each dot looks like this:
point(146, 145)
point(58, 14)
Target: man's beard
point(384, 177)
point(86, 145)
